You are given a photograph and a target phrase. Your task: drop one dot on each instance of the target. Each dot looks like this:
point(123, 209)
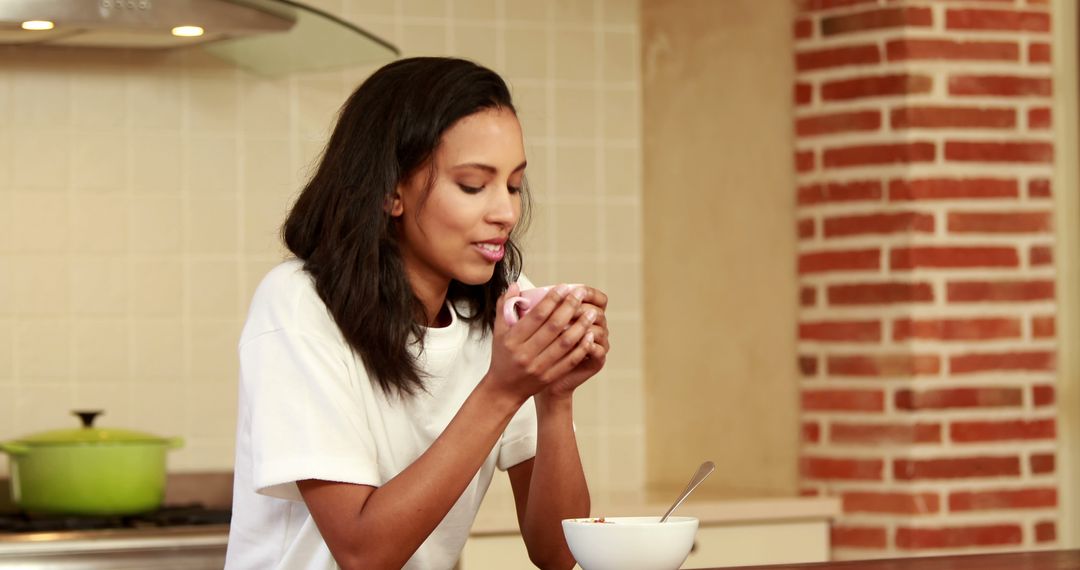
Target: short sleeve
point(518, 442)
point(306, 418)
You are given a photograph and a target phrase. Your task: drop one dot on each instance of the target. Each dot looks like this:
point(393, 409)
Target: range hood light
point(37, 25)
point(187, 31)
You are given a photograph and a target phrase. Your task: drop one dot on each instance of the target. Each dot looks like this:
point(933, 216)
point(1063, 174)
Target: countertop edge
point(496, 520)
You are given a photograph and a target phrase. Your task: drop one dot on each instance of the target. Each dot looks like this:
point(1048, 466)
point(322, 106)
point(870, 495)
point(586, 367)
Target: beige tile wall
point(140, 196)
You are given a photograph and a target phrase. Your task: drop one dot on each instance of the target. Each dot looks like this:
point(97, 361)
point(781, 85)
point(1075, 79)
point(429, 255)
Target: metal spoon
point(702, 472)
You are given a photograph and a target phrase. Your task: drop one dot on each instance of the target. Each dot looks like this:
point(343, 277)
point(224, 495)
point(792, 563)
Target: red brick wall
point(926, 330)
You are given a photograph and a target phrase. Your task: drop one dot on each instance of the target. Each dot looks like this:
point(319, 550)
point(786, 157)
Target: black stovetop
point(171, 516)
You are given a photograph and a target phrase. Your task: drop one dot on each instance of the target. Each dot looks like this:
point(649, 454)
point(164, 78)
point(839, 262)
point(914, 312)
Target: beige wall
point(140, 196)
point(720, 248)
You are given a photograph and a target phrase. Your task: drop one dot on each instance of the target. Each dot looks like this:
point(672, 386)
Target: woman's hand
point(545, 345)
point(595, 301)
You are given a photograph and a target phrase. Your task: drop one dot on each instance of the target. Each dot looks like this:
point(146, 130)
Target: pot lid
point(89, 434)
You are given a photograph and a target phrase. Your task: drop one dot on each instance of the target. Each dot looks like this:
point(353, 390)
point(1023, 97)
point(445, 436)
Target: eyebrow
point(487, 167)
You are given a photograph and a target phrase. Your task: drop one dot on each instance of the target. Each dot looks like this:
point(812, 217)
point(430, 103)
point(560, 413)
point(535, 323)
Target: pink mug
point(516, 307)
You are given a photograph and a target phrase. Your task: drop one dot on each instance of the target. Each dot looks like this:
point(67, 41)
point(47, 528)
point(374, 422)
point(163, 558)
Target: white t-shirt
point(307, 410)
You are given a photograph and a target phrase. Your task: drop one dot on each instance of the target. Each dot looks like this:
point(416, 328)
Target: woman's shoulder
point(286, 299)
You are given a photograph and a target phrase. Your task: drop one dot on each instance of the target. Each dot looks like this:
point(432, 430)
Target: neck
point(432, 296)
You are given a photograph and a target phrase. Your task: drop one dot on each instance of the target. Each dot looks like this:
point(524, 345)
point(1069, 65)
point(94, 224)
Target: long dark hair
point(340, 225)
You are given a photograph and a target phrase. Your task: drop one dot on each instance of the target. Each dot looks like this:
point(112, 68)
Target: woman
point(380, 387)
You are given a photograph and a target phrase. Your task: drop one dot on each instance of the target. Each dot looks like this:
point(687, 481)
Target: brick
point(904, 258)
point(897, 222)
point(806, 228)
point(871, 434)
point(880, 293)
point(818, 5)
point(809, 60)
point(803, 93)
point(803, 28)
point(999, 86)
point(1000, 222)
point(841, 469)
point(808, 296)
point(1045, 531)
point(908, 538)
point(952, 189)
point(842, 400)
point(863, 537)
point(885, 365)
point(1042, 395)
point(1043, 327)
point(876, 86)
point(1019, 152)
point(857, 191)
point(1041, 255)
point(1042, 463)
point(951, 398)
point(955, 329)
point(845, 331)
point(1034, 360)
point(877, 20)
point(1005, 20)
point(873, 154)
point(1039, 118)
point(956, 468)
point(932, 49)
point(804, 161)
point(808, 365)
point(1000, 291)
point(811, 432)
point(1006, 430)
point(952, 117)
point(838, 123)
point(1039, 52)
point(1039, 188)
point(998, 499)
point(890, 503)
point(840, 260)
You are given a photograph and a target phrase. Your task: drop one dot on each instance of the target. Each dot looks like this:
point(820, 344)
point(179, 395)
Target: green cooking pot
point(88, 471)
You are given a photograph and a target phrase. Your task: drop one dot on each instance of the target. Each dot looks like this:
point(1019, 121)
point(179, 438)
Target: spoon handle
point(702, 472)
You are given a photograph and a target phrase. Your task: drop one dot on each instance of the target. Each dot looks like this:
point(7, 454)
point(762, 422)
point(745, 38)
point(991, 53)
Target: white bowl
point(630, 543)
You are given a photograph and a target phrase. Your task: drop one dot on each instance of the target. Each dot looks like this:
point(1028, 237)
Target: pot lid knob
point(87, 416)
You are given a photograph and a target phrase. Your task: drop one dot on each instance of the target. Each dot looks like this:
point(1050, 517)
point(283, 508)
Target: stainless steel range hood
point(266, 37)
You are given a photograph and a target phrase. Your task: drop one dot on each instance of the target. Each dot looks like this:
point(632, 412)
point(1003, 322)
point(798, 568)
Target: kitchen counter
point(716, 509)
point(733, 529)
point(1044, 560)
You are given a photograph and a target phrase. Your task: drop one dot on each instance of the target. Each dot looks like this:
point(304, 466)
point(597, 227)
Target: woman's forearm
point(557, 489)
point(396, 518)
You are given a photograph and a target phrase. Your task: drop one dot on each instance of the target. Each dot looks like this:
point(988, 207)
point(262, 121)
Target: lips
point(492, 250)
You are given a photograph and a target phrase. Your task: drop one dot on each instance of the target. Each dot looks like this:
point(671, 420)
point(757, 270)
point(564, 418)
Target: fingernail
point(562, 290)
point(590, 315)
point(579, 293)
point(589, 336)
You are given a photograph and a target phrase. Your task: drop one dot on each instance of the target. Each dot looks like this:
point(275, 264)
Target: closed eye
point(470, 189)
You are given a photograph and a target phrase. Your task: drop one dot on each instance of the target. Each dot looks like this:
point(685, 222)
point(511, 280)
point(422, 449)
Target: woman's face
point(459, 229)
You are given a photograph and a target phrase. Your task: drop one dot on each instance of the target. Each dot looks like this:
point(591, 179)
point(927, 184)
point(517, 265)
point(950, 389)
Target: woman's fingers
point(549, 319)
point(570, 360)
point(574, 338)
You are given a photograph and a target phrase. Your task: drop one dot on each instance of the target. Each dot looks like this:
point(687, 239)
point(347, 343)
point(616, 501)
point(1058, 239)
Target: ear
point(393, 203)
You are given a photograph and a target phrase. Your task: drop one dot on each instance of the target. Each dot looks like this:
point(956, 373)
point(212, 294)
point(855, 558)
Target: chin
point(476, 277)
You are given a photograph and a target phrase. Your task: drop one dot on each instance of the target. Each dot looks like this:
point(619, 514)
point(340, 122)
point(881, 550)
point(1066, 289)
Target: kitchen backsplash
point(141, 193)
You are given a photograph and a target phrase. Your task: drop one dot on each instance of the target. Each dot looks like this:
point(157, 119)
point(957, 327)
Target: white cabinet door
point(766, 543)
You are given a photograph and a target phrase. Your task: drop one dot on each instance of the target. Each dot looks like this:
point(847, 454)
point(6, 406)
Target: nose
point(504, 207)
